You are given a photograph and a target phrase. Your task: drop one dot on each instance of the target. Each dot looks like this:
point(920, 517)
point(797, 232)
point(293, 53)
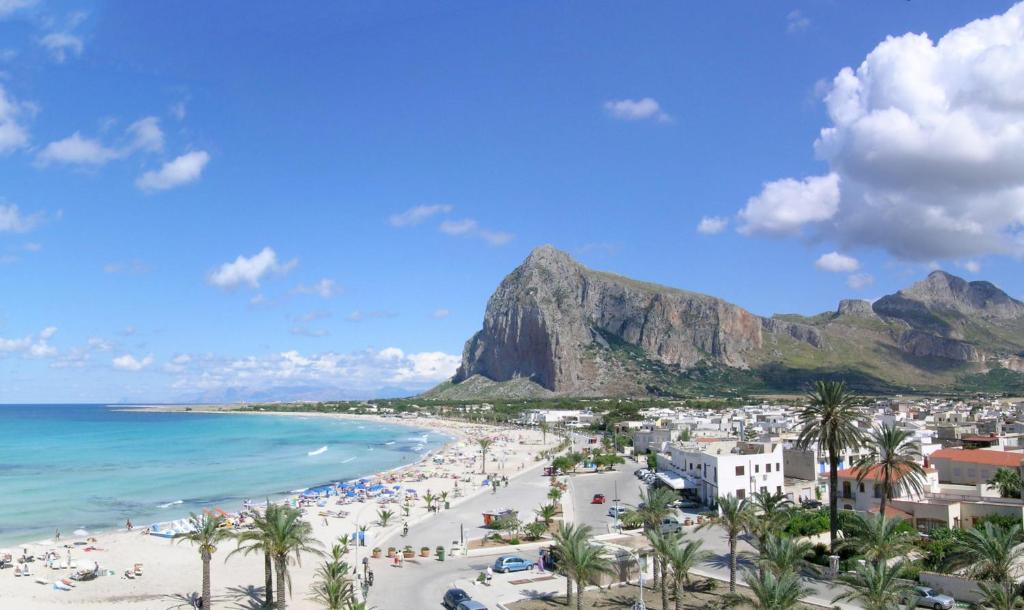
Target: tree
point(831, 422)
point(544, 432)
point(682, 557)
point(733, 516)
point(206, 533)
point(331, 585)
point(554, 494)
point(1008, 482)
point(772, 510)
point(535, 529)
point(662, 545)
point(775, 591)
point(876, 586)
point(567, 538)
point(892, 458)
point(385, 516)
point(290, 536)
point(651, 511)
point(485, 444)
point(585, 561)
point(989, 553)
point(442, 497)
point(781, 554)
point(546, 513)
point(876, 538)
point(429, 498)
point(995, 597)
point(257, 540)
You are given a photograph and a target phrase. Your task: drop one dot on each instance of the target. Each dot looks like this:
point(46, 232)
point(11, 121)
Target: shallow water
point(94, 466)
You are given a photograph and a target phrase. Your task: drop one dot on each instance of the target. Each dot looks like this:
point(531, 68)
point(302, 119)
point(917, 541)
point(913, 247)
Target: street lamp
point(641, 565)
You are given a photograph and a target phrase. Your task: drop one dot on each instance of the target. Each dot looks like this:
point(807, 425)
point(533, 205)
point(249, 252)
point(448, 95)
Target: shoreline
point(16, 542)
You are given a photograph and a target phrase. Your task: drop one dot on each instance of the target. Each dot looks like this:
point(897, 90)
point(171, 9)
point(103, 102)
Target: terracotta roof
point(1005, 459)
point(979, 437)
point(873, 473)
point(891, 512)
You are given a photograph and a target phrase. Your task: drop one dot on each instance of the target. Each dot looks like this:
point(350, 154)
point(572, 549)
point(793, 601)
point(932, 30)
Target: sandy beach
point(171, 571)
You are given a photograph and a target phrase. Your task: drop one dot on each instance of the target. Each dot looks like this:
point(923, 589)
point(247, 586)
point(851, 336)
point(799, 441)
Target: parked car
point(685, 503)
point(640, 472)
point(598, 499)
point(454, 597)
point(511, 563)
point(811, 504)
point(930, 598)
point(470, 604)
point(617, 511)
point(671, 525)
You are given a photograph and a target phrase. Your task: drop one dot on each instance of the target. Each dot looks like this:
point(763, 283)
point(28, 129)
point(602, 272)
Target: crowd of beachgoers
point(148, 568)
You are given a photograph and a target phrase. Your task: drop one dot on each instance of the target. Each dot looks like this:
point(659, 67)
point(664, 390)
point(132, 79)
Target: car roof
point(456, 590)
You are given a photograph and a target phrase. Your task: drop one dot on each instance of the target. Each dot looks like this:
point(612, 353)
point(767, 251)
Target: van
point(671, 525)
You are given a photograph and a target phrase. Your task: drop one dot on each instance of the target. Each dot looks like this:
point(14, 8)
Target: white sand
point(172, 571)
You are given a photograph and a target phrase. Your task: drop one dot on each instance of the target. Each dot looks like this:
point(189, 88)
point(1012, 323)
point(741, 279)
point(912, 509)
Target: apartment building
point(866, 495)
point(972, 466)
point(715, 469)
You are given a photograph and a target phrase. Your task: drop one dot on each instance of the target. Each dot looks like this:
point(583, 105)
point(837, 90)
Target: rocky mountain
point(555, 326)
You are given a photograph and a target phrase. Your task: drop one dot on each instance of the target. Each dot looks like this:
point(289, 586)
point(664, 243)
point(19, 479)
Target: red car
point(598, 499)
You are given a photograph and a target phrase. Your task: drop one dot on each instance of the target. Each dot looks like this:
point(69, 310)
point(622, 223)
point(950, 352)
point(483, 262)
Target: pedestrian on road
point(490, 575)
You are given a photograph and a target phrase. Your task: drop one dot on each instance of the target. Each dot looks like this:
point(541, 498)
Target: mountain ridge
point(572, 330)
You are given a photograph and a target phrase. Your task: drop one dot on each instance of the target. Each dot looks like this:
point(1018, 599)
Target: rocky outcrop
point(941, 291)
point(856, 308)
point(922, 344)
point(800, 332)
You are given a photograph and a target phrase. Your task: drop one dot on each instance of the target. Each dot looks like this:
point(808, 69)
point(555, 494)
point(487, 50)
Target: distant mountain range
point(555, 327)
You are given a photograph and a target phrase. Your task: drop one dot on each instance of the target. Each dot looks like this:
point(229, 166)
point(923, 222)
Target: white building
point(721, 468)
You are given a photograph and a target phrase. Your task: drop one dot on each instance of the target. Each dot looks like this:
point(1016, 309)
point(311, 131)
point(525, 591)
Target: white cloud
point(837, 263)
point(785, 206)
point(128, 362)
point(7, 7)
point(467, 227)
point(796, 22)
point(13, 135)
point(146, 135)
point(13, 221)
point(926, 140)
point(31, 346)
point(860, 280)
point(636, 110)
point(416, 215)
point(182, 170)
point(325, 288)
point(363, 371)
point(440, 314)
point(712, 225)
point(971, 266)
point(249, 270)
point(76, 150)
point(62, 44)
point(178, 110)
point(359, 315)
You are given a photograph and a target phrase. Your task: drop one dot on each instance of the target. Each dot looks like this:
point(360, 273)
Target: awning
point(673, 480)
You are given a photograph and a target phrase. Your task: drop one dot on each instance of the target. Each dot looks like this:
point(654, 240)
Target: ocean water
point(94, 466)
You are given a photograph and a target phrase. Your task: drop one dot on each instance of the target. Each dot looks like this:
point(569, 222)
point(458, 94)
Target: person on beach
point(128, 524)
point(56, 534)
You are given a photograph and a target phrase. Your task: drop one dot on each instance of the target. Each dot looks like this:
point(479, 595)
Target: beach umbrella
point(80, 532)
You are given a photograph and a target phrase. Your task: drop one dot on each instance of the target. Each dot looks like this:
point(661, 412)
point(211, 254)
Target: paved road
point(426, 580)
point(582, 488)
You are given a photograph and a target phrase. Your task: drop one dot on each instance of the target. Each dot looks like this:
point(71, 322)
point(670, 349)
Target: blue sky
point(220, 200)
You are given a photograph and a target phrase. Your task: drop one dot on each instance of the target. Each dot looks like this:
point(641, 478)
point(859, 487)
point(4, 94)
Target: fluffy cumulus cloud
point(837, 263)
point(712, 225)
point(30, 346)
point(13, 133)
point(13, 221)
point(467, 227)
point(128, 362)
point(636, 110)
point(142, 135)
point(440, 314)
point(249, 270)
point(62, 45)
point(177, 172)
point(8, 7)
point(325, 288)
point(924, 147)
point(362, 371)
point(418, 214)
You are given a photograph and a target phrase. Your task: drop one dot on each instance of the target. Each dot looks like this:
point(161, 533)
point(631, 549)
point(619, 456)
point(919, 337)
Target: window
point(778, 489)
point(757, 468)
point(861, 487)
point(764, 489)
point(739, 471)
point(741, 493)
point(778, 467)
point(767, 467)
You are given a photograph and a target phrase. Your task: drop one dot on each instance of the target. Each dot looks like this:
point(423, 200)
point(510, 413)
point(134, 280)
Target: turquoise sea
point(94, 466)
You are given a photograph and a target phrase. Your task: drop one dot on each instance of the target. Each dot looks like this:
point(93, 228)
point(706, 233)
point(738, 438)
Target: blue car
point(511, 563)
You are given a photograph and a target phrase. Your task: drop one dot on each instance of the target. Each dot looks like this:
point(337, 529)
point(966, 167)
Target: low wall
point(961, 589)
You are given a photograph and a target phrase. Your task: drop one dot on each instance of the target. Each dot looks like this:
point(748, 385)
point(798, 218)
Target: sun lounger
point(59, 586)
point(42, 581)
point(68, 582)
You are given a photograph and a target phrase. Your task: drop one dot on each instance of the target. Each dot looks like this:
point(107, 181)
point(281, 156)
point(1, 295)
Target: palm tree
point(567, 538)
point(585, 561)
point(876, 538)
point(995, 597)
point(257, 540)
point(1008, 482)
point(782, 554)
point(876, 586)
point(485, 444)
point(774, 591)
point(290, 536)
point(771, 510)
point(546, 513)
point(544, 432)
point(831, 422)
point(653, 509)
point(554, 494)
point(734, 516)
point(893, 458)
point(385, 516)
point(989, 553)
point(682, 558)
point(429, 498)
point(206, 533)
point(442, 498)
point(662, 545)
point(331, 586)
